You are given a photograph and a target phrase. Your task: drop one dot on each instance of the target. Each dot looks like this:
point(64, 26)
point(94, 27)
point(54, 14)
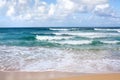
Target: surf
point(51, 37)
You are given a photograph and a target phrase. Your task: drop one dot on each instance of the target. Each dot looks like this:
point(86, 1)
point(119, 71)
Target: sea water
point(84, 50)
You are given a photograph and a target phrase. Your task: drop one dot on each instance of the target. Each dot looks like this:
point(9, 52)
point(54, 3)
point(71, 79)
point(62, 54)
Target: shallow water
point(82, 50)
point(53, 59)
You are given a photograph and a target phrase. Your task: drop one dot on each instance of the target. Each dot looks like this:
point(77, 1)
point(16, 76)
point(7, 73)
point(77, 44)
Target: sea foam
point(99, 29)
point(59, 29)
point(15, 58)
point(111, 42)
point(51, 37)
point(88, 34)
point(73, 42)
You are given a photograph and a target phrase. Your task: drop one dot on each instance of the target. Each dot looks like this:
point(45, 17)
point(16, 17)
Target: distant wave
point(59, 29)
point(98, 29)
point(76, 34)
point(39, 33)
point(51, 37)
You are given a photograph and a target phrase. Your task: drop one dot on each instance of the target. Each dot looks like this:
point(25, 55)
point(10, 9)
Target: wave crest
point(98, 29)
point(72, 42)
point(51, 37)
point(59, 29)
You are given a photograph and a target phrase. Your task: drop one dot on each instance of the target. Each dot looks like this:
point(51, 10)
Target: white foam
point(59, 29)
point(51, 37)
point(71, 65)
point(73, 42)
point(96, 66)
point(118, 30)
point(75, 33)
point(58, 34)
point(45, 59)
point(98, 29)
point(110, 42)
point(88, 34)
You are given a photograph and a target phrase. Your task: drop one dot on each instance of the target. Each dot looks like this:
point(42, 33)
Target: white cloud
point(11, 11)
point(102, 6)
point(51, 11)
point(23, 1)
point(2, 3)
point(104, 10)
point(65, 4)
point(95, 2)
point(40, 10)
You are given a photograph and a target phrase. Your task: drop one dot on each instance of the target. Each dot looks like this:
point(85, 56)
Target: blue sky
point(53, 13)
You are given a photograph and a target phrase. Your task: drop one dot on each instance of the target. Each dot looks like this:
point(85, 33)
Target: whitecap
point(73, 42)
point(88, 34)
point(59, 29)
point(118, 30)
point(51, 37)
point(110, 42)
point(98, 29)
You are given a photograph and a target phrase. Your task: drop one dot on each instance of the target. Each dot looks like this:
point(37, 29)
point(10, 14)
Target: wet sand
point(112, 76)
point(52, 75)
point(48, 75)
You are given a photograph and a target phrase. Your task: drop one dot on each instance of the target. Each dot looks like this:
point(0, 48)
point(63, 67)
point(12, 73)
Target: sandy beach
point(115, 76)
point(51, 75)
point(48, 75)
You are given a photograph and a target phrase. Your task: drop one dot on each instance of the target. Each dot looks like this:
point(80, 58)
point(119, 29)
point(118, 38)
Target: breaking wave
point(73, 42)
point(58, 29)
point(98, 29)
point(87, 42)
point(88, 34)
point(14, 58)
point(51, 37)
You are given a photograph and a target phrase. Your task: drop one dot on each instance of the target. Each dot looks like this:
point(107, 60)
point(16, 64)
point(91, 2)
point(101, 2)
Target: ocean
point(73, 49)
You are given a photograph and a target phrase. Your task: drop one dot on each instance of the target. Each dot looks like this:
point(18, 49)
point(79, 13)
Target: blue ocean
point(73, 49)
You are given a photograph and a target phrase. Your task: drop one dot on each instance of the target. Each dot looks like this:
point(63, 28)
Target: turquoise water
point(84, 50)
point(61, 37)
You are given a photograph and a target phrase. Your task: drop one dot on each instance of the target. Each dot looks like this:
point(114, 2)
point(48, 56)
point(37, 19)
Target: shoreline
point(110, 76)
point(47, 75)
point(57, 75)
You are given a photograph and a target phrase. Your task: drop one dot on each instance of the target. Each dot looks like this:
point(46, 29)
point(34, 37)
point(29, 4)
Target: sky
point(59, 13)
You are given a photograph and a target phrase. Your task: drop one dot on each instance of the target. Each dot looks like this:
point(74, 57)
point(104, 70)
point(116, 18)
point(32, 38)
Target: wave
point(88, 34)
point(110, 42)
point(72, 42)
point(51, 37)
point(58, 29)
point(85, 42)
point(75, 34)
point(98, 29)
point(95, 42)
point(118, 30)
point(45, 59)
point(41, 33)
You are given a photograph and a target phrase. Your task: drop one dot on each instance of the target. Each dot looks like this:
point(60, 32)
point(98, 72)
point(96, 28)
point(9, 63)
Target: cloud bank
point(60, 10)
